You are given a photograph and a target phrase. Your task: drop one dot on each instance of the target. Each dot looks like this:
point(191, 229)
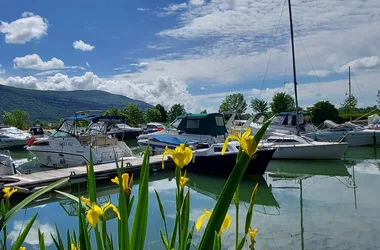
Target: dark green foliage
point(204, 111)
point(163, 112)
point(324, 110)
point(349, 104)
point(134, 114)
point(234, 103)
point(52, 105)
point(17, 118)
point(176, 110)
point(152, 115)
point(113, 111)
point(259, 105)
point(282, 102)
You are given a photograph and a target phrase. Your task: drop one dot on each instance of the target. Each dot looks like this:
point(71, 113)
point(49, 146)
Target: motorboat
point(11, 137)
point(7, 165)
point(205, 134)
point(298, 147)
point(207, 128)
point(152, 127)
point(123, 131)
point(70, 146)
point(354, 134)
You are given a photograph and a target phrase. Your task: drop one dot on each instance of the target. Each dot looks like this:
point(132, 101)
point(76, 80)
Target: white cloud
point(320, 73)
point(158, 47)
point(203, 88)
point(32, 237)
point(2, 71)
point(164, 90)
point(88, 65)
point(140, 64)
point(48, 72)
point(34, 61)
point(197, 2)
point(25, 29)
point(142, 9)
point(366, 63)
point(173, 8)
point(80, 45)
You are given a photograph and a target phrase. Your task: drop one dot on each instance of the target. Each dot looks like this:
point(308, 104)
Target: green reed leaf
point(21, 238)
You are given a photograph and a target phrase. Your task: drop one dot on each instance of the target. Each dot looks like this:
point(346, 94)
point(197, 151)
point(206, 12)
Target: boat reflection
point(299, 171)
point(212, 186)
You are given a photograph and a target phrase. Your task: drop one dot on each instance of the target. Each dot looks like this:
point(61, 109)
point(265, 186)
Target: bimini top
point(291, 113)
point(201, 124)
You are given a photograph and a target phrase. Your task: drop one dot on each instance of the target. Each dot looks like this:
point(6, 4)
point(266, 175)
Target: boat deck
point(29, 183)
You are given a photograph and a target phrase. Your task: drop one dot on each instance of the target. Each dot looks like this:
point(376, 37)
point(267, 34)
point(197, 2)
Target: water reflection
point(299, 205)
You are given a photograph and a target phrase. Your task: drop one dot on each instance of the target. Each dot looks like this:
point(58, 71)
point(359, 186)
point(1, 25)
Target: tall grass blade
point(141, 215)
point(123, 226)
point(248, 218)
point(21, 238)
point(184, 224)
point(227, 194)
point(161, 208)
point(29, 199)
point(68, 239)
point(241, 243)
point(164, 241)
point(216, 245)
point(91, 185)
point(41, 240)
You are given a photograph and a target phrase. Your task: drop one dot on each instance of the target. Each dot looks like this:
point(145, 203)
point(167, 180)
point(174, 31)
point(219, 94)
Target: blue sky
point(194, 52)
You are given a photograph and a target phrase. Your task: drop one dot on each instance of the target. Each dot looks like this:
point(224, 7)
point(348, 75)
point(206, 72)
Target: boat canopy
point(288, 118)
point(201, 124)
point(95, 118)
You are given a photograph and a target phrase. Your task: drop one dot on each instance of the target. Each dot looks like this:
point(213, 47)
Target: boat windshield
point(66, 128)
point(278, 119)
point(175, 124)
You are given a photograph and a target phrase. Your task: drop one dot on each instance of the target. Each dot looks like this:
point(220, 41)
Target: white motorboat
point(12, 137)
point(67, 146)
point(7, 165)
point(354, 134)
point(303, 148)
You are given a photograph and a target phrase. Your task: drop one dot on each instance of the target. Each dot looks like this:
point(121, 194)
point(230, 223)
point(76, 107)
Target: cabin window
point(219, 121)
point(281, 140)
point(192, 124)
point(176, 123)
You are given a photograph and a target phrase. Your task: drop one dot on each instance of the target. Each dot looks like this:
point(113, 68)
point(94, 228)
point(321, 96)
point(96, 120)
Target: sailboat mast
point(294, 67)
point(349, 90)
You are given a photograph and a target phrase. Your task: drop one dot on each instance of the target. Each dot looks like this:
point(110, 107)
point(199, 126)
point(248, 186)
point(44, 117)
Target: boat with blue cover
point(205, 135)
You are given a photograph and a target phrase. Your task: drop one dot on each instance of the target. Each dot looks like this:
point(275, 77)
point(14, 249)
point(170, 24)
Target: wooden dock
point(29, 183)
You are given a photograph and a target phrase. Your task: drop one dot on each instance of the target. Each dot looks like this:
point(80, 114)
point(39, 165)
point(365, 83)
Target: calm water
point(300, 205)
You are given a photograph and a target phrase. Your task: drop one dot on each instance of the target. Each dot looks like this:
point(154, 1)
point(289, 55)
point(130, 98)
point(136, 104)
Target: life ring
point(31, 141)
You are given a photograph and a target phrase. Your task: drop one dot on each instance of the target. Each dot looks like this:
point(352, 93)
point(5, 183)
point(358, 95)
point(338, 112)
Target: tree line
point(134, 115)
point(283, 102)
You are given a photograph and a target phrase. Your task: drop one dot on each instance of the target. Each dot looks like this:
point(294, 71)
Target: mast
point(294, 67)
point(349, 90)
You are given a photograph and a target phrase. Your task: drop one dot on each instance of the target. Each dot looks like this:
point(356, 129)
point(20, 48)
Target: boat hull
point(126, 135)
point(354, 138)
point(311, 152)
point(222, 165)
point(6, 143)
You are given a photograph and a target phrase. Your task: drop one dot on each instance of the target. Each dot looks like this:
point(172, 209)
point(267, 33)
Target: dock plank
point(40, 179)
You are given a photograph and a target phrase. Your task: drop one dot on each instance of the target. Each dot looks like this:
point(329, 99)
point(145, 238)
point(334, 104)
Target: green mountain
point(53, 105)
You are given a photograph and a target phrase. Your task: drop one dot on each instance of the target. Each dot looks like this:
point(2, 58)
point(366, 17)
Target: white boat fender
point(194, 156)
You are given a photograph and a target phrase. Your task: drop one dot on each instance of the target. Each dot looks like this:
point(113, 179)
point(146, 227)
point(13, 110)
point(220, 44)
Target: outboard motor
point(7, 166)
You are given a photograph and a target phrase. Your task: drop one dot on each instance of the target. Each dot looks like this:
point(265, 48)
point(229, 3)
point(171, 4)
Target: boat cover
point(173, 140)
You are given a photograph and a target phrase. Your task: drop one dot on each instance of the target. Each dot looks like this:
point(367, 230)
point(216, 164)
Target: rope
point(271, 50)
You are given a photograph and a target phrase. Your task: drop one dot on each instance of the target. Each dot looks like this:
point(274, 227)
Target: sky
point(194, 52)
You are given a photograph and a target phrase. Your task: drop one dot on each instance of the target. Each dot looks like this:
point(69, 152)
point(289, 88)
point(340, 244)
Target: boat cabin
point(200, 124)
point(289, 119)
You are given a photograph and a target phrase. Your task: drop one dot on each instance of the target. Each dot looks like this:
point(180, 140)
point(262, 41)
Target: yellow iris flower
point(226, 223)
point(8, 192)
point(247, 142)
point(183, 180)
point(22, 248)
point(96, 211)
point(181, 155)
point(252, 234)
point(74, 247)
point(86, 201)
point(127, 182)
